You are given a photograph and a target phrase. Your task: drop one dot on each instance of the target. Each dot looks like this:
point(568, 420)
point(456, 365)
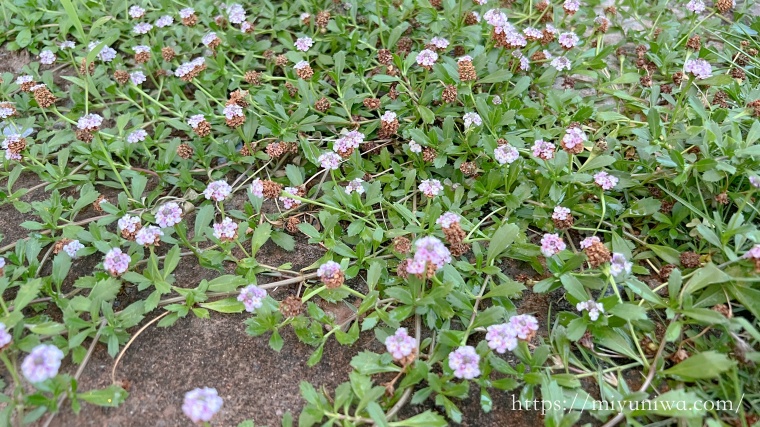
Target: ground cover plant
point(444, 159)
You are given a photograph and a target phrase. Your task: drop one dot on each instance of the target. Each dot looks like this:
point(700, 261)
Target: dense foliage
point(610, 149)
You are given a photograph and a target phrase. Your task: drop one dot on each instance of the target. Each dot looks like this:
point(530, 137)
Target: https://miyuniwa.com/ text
point(590, 404)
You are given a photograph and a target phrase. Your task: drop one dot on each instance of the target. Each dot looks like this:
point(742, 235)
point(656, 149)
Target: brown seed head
point(322, 105)
point(597, 254)
point(690, 259)
point(449, 94)
point(185, 151)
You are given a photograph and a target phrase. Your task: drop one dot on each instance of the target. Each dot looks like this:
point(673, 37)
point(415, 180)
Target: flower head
point(355, 185)
point(195, 120)
point(236, 13)
point(464, 362)
point(142, 28)
point(188, 70)
point(169, 215)
point(225, 230)
point(430, 187)
point(217, 190)
point(552, 244)
point(605, 180)
point(301, 64)
point(304, 43)
point(414, 147)
point(164, 21)
point(232, 110)
point(753, 253)
point(137, 78)
point(209, 39)
point(524, 326)
point(496, 100)
point(329, 161)
point(594, 309)
point(348, 142)
point(128, 224)
point(67, 44)
point(429, 253)
point(388, 117)
point(116, 262)
point(696, 6)
point(543, 150)
point(560, 63)
point(568, 40)
point(47, 57)
point(619, 265)
point(574, 136)
point(560, 213)
point(72, 248)
point(89, 122)
point(6, 110)
point(472, 119)
point(501, 337)
point(439, 42)
point(571, 5)
point(201, 404)
point(136, 12)
point(448, 219)
point(495, 18)
point(150, 235)
point(257, 188)
point(589, 241)
point(427, 58)
point(755, 181)
point(186, 12)
point(42, 363)
point(505, 154)
point(400, 344)
point(137, 136)
point(287, 202)
point(5, 336)
point(252, 297)
point(700, 68)
point(331, 274)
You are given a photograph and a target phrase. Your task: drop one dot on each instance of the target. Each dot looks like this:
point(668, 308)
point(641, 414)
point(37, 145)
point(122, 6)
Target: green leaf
point(112, 396)
point(284, 240)
point(202, 219)
point(425, 419)
point(629, 312)
point(708, 364)
point(377, 414)
point(27, 292)
point(426, 115)
point(373, 274)
point(24, 38)
point(502, 238)
point(496, 77)
point(275, 341)
point(666, 253)
point(74, 18)
point(705, 276)
point(227, 305)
